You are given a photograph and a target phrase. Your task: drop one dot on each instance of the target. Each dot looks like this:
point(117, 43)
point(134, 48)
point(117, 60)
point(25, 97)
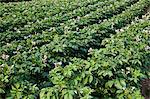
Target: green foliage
point(10, 0)
point(74, 49)
point(111, 72)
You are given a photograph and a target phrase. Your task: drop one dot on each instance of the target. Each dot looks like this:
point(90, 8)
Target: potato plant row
point(72, 44)
point(41, 25)
point(8, 22)
point(75, 78)
point(97, 16)
point(112, 72)
point(24, 66)
point(88, 18)
point(117, 7)
point(81, 50)
point(55, 6)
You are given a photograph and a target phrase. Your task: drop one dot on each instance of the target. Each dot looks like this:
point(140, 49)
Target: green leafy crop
point(74, 49)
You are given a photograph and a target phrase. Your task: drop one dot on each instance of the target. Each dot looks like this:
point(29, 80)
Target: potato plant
point(74, 49)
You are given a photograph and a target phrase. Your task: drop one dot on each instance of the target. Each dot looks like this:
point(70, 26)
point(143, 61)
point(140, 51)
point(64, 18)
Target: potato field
point(74, 49)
